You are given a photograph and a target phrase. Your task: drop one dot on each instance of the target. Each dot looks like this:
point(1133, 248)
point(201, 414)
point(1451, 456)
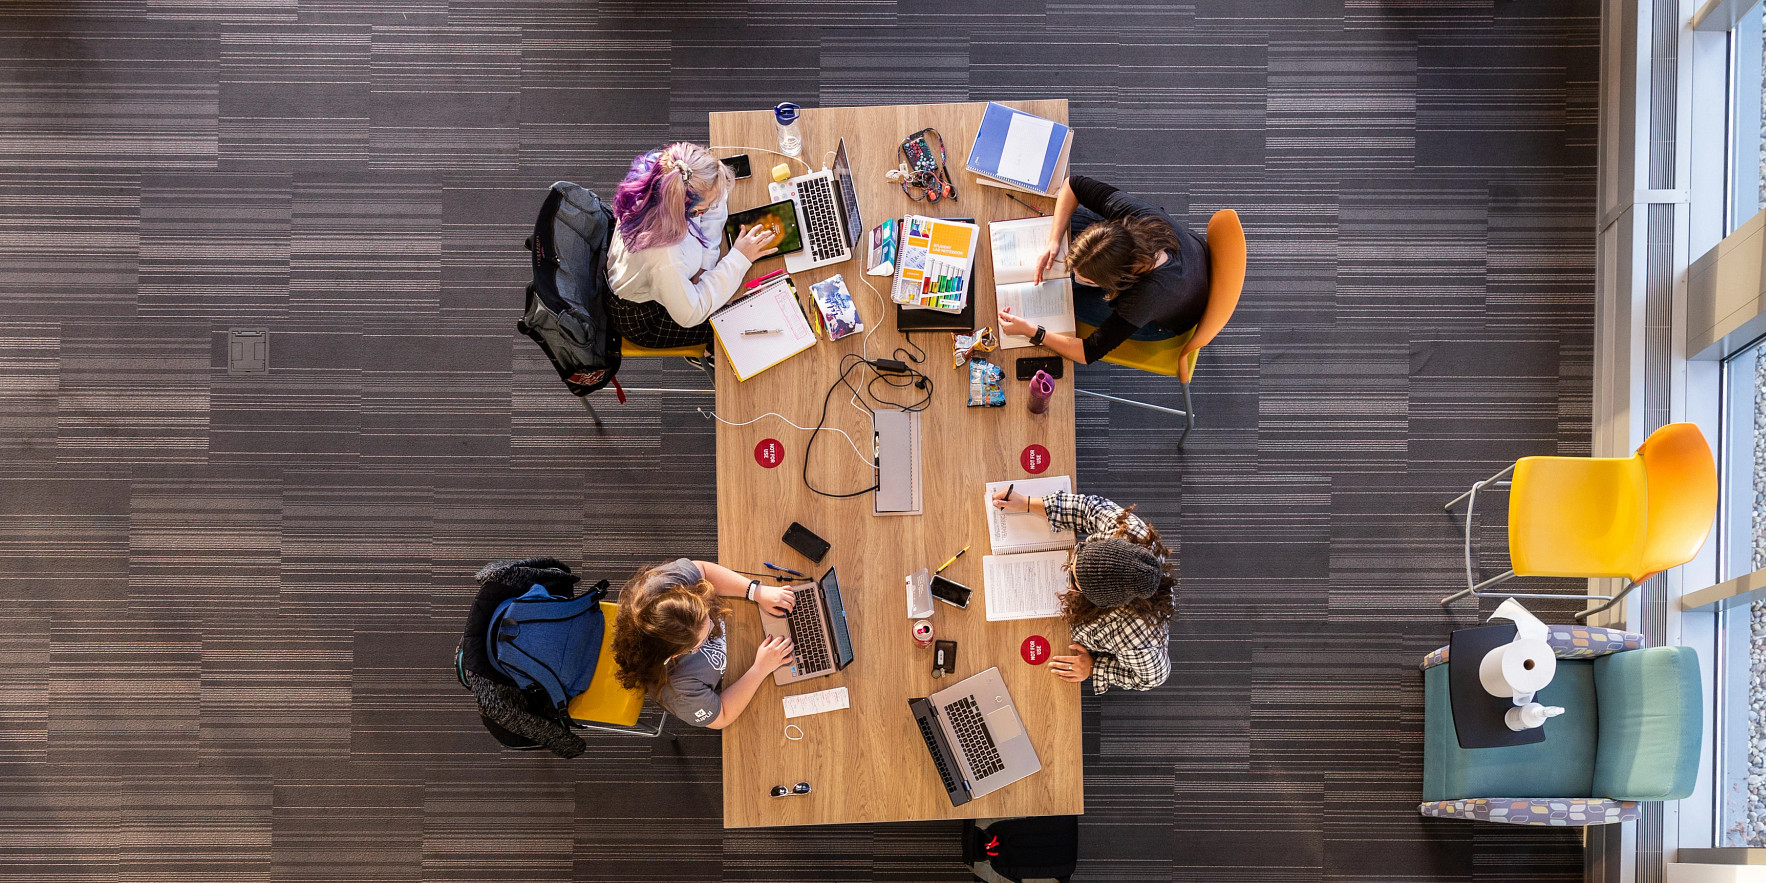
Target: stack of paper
point(1016, 245)
point(935, 258)
point(1020, 151)
point(1026, 576)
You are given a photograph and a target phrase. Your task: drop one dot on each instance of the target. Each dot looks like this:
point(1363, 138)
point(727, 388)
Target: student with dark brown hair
point(1138, 274)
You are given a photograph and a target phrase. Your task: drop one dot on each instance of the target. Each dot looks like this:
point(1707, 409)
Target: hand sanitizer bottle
point(1531, 715)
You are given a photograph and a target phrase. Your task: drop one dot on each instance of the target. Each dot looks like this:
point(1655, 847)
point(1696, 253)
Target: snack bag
point(986, 384)
point(967, 345)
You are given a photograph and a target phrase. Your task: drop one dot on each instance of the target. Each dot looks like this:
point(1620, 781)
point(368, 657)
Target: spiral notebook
point(762, 329)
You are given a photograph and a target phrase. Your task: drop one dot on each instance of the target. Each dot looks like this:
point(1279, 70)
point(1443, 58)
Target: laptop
point(976, 739)
point(938, 320)
point(817, 626)
point(827, 215)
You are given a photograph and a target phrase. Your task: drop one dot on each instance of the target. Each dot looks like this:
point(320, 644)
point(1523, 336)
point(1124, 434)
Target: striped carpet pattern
point(231, 597)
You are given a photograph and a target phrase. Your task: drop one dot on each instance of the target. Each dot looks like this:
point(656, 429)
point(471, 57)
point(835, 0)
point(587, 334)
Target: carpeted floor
point(230, 598)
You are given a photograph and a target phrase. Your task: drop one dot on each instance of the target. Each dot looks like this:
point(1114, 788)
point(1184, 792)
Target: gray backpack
point(567, 312)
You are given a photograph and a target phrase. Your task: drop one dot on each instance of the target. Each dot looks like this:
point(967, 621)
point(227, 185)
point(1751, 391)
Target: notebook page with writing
point(1015, 247)
point(774, 311)
point(1025, 531)
point(1025, 586)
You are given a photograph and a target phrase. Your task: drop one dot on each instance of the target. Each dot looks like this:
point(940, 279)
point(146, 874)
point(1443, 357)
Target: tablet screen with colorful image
point(780, 219)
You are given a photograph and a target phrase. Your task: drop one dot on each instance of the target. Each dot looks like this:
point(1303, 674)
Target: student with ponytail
point(1138, 274)
point(664, 267)
point(669, 639)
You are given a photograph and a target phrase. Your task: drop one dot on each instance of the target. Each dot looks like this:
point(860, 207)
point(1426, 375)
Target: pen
point(953, 560)
point(1039, 212)
point(771, 576)
point(761, 331)
point(771, 566)
point(763, 280)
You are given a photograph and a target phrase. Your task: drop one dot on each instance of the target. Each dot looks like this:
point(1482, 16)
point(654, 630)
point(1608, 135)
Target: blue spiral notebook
point(1017, 148)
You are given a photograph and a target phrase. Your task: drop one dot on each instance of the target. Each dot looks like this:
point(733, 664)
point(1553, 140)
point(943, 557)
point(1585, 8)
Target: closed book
point(1018, 148)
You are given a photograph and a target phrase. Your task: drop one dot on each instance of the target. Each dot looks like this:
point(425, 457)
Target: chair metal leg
point(661, 721)
point(1584, 615)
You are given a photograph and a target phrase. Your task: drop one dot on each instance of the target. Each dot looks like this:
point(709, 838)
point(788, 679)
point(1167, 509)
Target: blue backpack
point(548, 644)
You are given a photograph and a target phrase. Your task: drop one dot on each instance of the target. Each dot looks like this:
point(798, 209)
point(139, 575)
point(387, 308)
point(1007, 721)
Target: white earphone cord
point(868, 461)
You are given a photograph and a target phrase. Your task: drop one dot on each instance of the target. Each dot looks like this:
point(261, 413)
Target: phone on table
point(951, 592)
point(1029, 365)
point(738, 164)
point(780, 219)
point(805, 542)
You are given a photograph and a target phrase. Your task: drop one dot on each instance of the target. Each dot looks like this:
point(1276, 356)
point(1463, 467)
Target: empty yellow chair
point(1630, 517)
point(1176, 357)
point(607, 705)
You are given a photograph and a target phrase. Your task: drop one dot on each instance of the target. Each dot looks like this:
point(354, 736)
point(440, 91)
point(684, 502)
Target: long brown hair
point(1114, 254)
point(1078, 610)
point(660, 616)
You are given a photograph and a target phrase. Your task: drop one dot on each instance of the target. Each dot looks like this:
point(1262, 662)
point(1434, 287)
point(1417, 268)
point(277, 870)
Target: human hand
point(754, 242)
point(777, 600)
point(1010, 500)
point(1015, 325)
point(1072, 668)
point(1046, 260)
point(772, 653)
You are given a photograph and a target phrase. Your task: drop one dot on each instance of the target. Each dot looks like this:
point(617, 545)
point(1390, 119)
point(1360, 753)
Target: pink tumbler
point(1041, 387)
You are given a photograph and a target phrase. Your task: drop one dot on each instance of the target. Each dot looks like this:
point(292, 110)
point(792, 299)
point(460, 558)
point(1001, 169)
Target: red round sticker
point(769, 452)
point(1035, 650)
point(1035, 459)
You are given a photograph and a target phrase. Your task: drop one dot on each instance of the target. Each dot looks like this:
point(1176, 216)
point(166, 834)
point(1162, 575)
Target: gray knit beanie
point(1113, 572)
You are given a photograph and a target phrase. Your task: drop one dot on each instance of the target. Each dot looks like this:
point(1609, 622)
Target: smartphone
point(806, 542)
point(953, 593)
point(1029, 365)
point(738, 164)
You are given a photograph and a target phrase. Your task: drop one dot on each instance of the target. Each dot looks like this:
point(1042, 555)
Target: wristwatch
point(1036, 339)
point(752, 585)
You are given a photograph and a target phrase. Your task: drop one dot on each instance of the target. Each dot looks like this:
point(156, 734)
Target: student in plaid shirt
point(1120, 597)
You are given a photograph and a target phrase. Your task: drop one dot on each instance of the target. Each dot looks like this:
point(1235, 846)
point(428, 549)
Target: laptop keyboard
point(950, 783)
point(807, 633)
point(972, 735)
point(821, 224)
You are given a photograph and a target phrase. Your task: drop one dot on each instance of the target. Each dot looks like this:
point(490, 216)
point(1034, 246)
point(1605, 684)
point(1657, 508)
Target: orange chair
point(607, 705)
point(1176, 357)
point(1630, 517)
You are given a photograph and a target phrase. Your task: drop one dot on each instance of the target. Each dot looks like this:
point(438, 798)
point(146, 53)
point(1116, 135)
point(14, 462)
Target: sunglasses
point(782, 791)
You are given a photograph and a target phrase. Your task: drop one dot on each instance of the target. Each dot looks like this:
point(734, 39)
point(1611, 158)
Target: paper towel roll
point(1518, 669)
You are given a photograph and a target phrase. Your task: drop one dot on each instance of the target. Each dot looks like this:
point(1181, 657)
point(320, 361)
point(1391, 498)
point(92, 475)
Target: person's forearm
point(1066, 346)
point(1035, 505)
point(727, 582)
point(735, 697)
point(1065, 203)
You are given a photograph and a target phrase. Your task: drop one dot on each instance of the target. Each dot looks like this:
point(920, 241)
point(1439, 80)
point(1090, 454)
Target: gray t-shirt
point(691, 691)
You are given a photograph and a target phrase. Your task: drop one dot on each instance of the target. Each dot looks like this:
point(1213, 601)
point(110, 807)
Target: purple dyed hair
point(652, 203)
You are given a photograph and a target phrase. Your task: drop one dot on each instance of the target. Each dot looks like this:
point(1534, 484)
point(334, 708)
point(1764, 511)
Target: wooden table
point(868, 763)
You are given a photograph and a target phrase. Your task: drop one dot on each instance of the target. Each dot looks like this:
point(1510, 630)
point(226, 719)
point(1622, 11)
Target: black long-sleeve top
point(1172, 296)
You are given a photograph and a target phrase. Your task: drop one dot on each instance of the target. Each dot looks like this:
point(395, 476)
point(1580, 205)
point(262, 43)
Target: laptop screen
point(855, 226)
point(842, 639)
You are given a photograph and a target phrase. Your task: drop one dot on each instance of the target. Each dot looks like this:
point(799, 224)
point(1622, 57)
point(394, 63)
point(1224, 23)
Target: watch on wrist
point(1036, 339)
point(752, 585)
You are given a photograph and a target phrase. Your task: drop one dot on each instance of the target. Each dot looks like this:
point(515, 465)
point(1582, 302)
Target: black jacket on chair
point(502, 705)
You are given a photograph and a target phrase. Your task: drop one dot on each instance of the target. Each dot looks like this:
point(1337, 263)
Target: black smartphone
point(738, 164)
point(1029, 365)
point(953, 593)
point(806, 542)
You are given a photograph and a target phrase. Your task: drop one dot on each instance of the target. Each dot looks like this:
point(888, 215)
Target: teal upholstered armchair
point(1631, 732)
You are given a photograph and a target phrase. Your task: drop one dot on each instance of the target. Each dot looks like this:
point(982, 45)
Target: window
point(1746, 47)
point(1741, 630)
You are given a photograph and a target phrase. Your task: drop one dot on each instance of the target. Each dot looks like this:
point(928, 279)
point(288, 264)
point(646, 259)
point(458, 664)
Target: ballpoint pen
point(760, 331)
point(1027, 205)
point(953, 560)
point(771, 566)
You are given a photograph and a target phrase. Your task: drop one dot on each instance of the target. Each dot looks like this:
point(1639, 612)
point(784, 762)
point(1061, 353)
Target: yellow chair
point(1176, 357)
point(607, 705)
point(1630, 517)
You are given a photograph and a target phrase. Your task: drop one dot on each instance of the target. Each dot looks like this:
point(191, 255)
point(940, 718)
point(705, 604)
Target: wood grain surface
point(868, 763)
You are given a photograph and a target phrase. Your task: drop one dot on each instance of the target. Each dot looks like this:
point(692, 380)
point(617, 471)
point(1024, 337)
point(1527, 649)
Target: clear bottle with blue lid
point(790, 139)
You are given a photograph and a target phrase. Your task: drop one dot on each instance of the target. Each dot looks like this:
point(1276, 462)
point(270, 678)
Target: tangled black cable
point(898, 373)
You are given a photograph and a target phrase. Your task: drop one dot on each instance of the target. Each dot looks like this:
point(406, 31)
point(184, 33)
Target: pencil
point(953, 560)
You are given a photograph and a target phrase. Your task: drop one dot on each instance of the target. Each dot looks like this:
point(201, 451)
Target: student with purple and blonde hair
point(664, 267)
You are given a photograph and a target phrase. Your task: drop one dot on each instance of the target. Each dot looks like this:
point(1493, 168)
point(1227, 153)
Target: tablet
point(780, 217)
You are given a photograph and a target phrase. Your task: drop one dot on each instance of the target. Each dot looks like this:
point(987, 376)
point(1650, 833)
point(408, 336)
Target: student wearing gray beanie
point(1120, 591)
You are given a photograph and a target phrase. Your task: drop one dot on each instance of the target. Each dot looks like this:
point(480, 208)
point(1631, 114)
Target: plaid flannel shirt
point(1127, 651)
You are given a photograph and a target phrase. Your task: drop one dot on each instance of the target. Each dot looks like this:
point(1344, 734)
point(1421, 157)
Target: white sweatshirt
point(664, 274)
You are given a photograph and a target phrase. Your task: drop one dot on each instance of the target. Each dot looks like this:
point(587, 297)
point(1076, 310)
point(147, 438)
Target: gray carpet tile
point(233, 597)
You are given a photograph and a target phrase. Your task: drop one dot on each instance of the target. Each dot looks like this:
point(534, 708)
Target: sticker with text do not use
point(769, 452)
point(1035, 650)
point(1035, 459)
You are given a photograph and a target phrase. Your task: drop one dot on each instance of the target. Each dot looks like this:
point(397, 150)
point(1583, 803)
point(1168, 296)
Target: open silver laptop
point(817, 628)
point(827, 215)
point(975, 737)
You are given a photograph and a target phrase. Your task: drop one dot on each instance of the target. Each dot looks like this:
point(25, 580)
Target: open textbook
point(1015, 246)
point(1024, 577)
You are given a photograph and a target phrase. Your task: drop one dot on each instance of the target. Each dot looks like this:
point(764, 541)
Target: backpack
point(1033, 848)
point(548, 645)
point(566, 311)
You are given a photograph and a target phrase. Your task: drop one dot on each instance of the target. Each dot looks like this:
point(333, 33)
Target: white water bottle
point(1531, 715)
point(790, 140)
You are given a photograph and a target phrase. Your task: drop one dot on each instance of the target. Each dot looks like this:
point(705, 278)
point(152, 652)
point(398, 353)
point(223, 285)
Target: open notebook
point(1025, 577)
point(1015, 246)
point(762, 329)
